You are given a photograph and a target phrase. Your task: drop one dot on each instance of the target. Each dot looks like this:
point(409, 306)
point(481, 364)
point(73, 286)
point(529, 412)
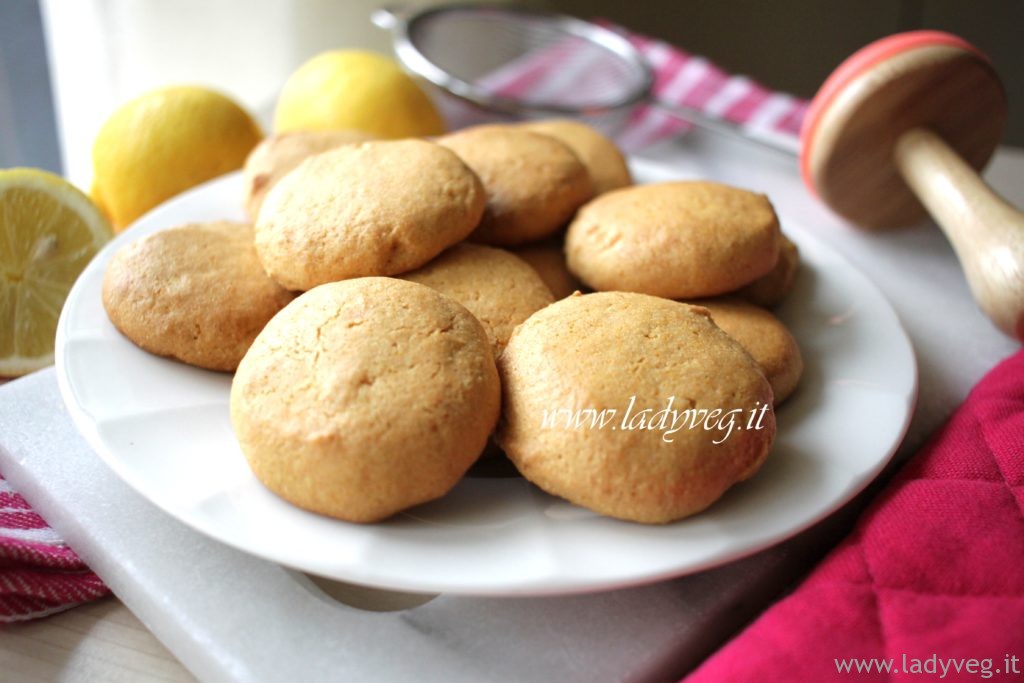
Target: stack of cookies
point(397, 305)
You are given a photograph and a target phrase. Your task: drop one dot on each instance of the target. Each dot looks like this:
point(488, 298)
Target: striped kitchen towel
point(694, 81)
point(571, 73)
point(39, 573)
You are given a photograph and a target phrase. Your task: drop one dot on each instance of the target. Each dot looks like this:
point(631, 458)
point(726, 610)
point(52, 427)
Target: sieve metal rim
point(402, 22)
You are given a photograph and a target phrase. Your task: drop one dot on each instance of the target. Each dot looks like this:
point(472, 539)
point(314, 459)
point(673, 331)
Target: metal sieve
point(484, 55)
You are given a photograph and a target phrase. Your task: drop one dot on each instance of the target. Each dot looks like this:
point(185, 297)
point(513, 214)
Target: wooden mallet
point(900, 130)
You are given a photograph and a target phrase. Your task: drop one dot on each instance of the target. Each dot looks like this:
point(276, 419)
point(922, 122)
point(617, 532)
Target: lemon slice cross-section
point(48, 233)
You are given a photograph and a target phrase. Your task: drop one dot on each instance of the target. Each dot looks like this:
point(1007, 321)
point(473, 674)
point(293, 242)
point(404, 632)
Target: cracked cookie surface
point(604, 161)
point(619, 354)
point(375, 208)
point(274, 157)
point(764, 337)
point(195, 292)
point(534, 182)
point(676, 239)
point(500, 289)
point(365, 397)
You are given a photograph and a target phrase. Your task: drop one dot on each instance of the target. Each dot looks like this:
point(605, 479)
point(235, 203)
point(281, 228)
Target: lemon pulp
point(48, 233)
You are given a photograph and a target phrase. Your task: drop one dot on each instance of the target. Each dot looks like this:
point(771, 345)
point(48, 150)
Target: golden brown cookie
point(770, 290)
point(534, 183)
point(196, 293)
point(376, 208)
point(277, 154)
point(500, 289)
point(365, 397)
point(764, 337)
point(676, 240)
point(605, 163)
point(548, 259)
point(629, 360)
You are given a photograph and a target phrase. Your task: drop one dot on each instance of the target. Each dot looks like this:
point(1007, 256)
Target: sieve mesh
point(570, 66)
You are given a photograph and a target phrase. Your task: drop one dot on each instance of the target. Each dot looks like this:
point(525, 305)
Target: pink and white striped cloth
point(571, 73)
point(693, 81)
point(41, 575)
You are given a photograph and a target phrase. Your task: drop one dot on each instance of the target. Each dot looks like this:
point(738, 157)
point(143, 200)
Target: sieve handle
point(388, 18)
point(767, 139)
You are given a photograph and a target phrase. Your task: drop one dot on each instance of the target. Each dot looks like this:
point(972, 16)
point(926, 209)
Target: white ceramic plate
point(164, 428)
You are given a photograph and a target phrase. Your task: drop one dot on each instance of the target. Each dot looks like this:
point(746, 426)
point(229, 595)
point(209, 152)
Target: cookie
point(605, 163)
point(271, 160)
point(365, 397)
point(498, 288)
point(196, 293)
point(589, 387)
point(676, 240)
point(765, 338)
point(376, 208)
point(548, 259)
point(770, 290)
point(534, 183)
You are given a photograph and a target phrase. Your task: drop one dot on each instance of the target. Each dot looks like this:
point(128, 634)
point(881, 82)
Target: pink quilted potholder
point(930, 582)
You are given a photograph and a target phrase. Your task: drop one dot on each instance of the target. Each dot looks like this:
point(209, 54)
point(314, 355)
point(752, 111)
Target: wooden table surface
point(99, 641)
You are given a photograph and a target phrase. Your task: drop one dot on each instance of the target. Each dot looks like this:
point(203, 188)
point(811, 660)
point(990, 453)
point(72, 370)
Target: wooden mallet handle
point(986, 232)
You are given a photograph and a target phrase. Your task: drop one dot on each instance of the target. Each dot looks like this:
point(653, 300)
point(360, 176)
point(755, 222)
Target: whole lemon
point(163, 143)
point(356, 90)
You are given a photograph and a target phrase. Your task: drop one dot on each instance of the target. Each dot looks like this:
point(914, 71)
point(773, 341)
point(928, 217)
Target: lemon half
point(48, 233)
